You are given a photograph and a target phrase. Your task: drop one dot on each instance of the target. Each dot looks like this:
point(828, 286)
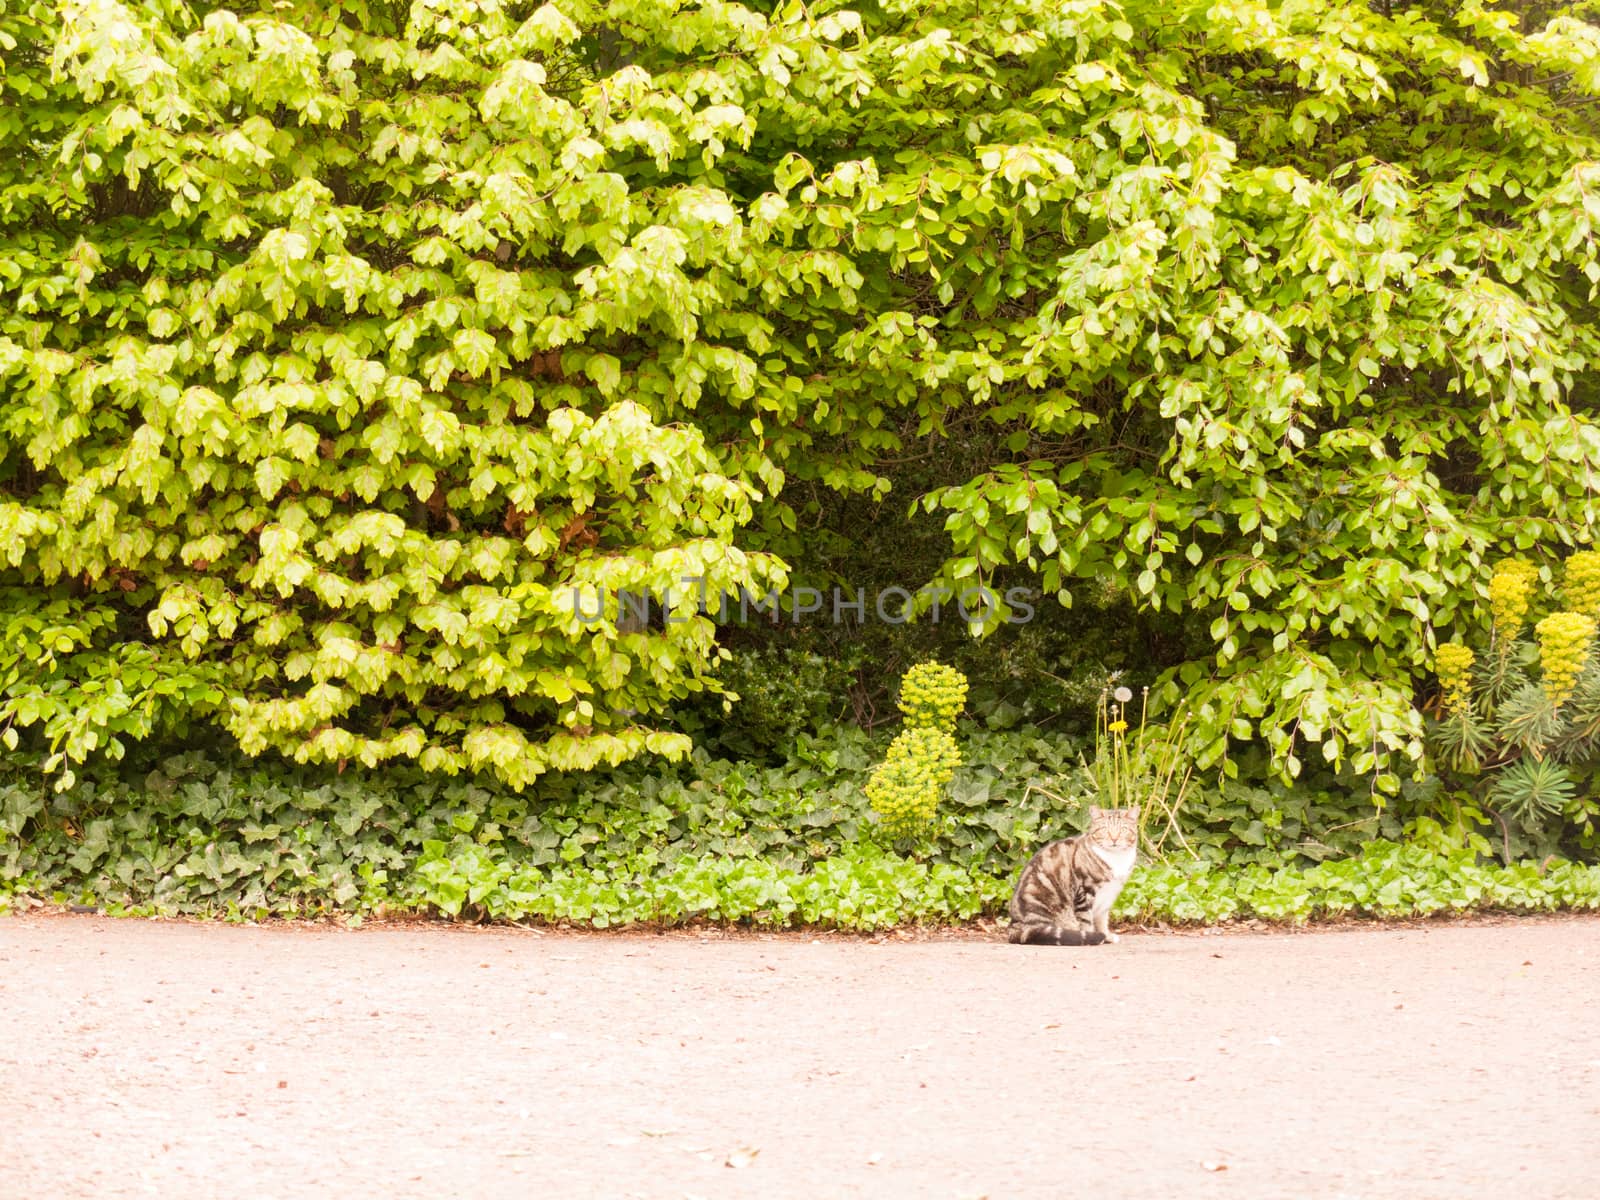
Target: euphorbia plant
point(1520, 722)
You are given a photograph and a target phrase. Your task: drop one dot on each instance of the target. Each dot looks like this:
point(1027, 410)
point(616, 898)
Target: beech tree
point(310, 416)
point(340, 343)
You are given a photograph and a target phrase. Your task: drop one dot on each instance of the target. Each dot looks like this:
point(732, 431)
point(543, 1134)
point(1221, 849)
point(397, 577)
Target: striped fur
point(1065, 893)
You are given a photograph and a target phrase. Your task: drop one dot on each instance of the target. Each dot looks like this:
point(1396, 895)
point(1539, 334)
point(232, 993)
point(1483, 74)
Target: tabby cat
point(1065, 893)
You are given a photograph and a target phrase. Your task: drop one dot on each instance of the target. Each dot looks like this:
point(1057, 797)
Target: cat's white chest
point(1120, 861)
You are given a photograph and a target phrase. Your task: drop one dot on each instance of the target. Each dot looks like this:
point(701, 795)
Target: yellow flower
point(1510, 589)
point(1117, 726)
point(932, 695)
point(1564, 639)
point(1454, 665)
point(1582, 585)
point(904, 791)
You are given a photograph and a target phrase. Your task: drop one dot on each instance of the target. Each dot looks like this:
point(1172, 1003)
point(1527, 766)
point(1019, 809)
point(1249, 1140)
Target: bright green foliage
point(1383, 880)
point(922, 760)
point(707, 841)
point(311, 404)
point(341, 341)
point(1292, 311)
point(61, 669)
point(1522, 720)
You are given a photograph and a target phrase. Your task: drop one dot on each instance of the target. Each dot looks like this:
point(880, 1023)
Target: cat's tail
point(1044, 933)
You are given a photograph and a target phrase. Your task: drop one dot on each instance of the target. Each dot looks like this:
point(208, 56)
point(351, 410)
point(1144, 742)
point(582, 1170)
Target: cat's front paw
point(1111, 937)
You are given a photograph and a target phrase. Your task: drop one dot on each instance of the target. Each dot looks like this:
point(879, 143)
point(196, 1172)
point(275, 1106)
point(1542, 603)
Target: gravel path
point(179, 1060)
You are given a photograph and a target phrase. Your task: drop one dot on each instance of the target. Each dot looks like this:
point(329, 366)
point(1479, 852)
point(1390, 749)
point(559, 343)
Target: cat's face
point(1114, 827)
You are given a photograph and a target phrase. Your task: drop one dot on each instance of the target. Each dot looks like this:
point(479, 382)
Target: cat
point(1065, 893)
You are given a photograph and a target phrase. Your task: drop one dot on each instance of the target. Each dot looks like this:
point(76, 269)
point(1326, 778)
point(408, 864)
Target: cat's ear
point(1095, 811)
point(1133, 812)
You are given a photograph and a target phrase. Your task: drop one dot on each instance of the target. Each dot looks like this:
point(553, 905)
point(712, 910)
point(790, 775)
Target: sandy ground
point(181, 1060)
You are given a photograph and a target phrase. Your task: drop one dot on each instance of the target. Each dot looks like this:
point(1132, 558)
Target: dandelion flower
point(1122, 695)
